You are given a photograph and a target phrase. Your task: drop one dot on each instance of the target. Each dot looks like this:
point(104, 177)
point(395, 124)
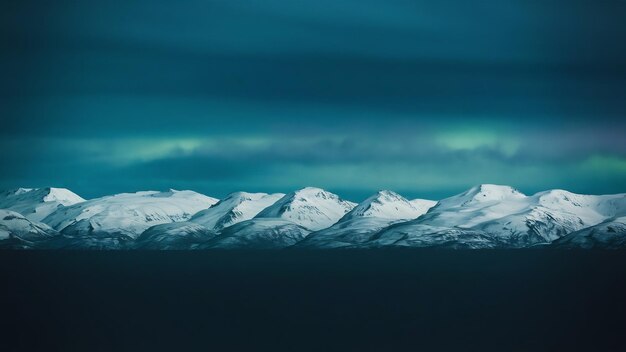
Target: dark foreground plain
point(384, 300)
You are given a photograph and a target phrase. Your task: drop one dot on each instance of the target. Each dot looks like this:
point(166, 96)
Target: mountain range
point(485, 216)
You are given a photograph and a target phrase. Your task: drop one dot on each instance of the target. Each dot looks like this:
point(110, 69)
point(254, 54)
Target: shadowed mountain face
point(485, 216)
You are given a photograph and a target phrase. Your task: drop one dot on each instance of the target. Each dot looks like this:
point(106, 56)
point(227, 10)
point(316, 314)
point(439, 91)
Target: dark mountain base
point(427, 300)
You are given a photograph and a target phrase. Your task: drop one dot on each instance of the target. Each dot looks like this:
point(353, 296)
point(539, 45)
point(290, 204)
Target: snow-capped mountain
point(37, 203)
point(389, 205)
point(175, 235)
point(368, 217)
point(127, 214)
point(236, 207)
point(609, 234)
point(553, 214)
point(485, 216)
point(517, 220)
point(260, 233)
point(475, 206)
point(16, 231)
point(310, 207)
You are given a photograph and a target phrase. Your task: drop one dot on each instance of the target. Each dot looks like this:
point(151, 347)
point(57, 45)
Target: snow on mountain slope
point(609, 234)
point(519, 220)
point(475, 206)
point(484, 216)
point(423, 205)
point(259, 233)
point(368, 217)
point(310, 207)
point(175, 235)
point(16, 231)
point(590, 208)
point(236, 207)
point(37, 203)
point(553, 214)
point(379, 231)
point(388, 205)
point(127, 214)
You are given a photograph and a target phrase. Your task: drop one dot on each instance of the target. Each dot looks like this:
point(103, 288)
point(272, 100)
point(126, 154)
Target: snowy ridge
point(476, 205)
point(484, 216)
point(236, 207)
point(373, 214)
point(310, 207)
point(517, 220)
point(127, 214)
point(37, 203)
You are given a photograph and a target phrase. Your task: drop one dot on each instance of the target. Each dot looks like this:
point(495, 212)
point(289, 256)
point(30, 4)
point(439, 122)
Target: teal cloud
point(420, 97)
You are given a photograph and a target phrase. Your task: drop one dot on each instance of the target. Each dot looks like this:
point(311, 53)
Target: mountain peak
point(311, 207)
point(560, 194)
point(487, 193)
point(62, 195)
point(384, 193)
point(236, 207)
point(384, 204)
point(498, 198)
point(313, 192)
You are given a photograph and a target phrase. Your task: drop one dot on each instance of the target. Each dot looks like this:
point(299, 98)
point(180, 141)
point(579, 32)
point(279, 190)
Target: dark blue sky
point(424, 98)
